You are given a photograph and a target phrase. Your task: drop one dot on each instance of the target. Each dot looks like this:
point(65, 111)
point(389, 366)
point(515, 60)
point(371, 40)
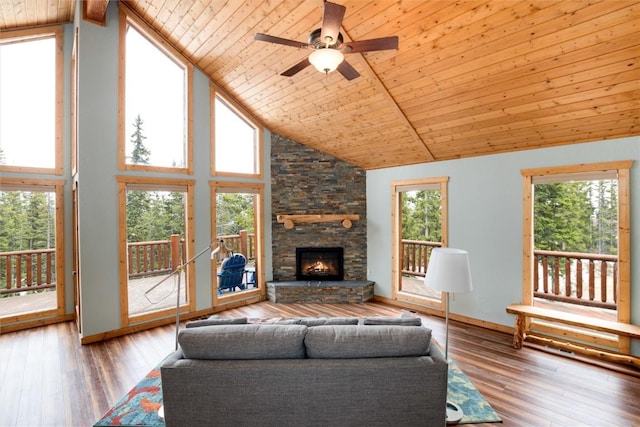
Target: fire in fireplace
point(320, 264)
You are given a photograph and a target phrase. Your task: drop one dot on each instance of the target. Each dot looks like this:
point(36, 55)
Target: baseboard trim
point(89, 339)
point(439, 313)
point(29, 324)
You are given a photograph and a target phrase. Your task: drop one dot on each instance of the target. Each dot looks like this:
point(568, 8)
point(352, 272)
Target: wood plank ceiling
point(470, 77)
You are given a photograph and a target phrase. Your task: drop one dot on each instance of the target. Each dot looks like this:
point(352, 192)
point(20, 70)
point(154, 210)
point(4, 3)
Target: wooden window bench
point(523, 312)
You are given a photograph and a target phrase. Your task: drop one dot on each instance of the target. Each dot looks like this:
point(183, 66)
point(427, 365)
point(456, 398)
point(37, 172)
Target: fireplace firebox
point(320, 264)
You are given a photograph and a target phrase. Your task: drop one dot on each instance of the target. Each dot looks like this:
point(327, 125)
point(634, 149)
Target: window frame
point(240, 187)
point(537, 175)
point(57, 187)
point(398, 187)
point(155, 184)
point(252, 121)
point(56, 32)
point(128, 18)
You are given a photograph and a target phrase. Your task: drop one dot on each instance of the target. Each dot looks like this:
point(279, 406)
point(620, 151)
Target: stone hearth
point(347, 291)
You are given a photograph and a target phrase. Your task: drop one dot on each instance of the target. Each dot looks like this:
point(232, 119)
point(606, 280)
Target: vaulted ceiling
point(469, 77)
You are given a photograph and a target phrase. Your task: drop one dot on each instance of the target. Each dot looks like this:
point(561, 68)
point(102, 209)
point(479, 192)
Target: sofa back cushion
point(250, 341)
point(318, 321)
point(214, 320)
point(400, 321)
point(350, 342)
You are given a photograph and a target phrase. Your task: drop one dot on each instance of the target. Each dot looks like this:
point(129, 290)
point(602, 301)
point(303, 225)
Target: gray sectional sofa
point(305, 372)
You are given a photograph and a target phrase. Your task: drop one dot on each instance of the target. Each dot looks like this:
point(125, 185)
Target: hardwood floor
point(48, 378)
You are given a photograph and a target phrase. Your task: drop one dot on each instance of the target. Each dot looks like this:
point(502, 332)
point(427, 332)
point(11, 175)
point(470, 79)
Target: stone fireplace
point(305, 181)
point(320, 264)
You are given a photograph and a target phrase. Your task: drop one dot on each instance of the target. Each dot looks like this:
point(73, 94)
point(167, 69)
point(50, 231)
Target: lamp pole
point(178, 271)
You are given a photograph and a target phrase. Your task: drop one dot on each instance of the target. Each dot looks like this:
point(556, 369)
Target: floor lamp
point(449, 272)
point(219, 253)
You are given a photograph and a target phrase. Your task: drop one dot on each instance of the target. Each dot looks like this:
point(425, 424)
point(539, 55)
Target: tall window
point(30, 91)
point(420, 225)
point(236, 219)
point(156, 239)
point(236, 140)
point(31, 248)
point(577, 243)
point(156, 130)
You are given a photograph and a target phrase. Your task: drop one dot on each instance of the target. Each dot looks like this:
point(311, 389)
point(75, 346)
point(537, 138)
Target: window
point(576, 245)
point(420, 225)
point(237, 140)
point(236, 220)
point(156, 237)
point(155, 117)
point(31, 93)
point(31, 248)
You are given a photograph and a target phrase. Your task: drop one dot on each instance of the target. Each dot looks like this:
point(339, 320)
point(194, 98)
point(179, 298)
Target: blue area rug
point(139, 407)
point(463, 393)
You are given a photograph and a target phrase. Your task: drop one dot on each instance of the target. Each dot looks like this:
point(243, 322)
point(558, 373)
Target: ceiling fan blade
point(296, 68)
point(279, 40)
point(348, 71)
point(331, 22)
point(383, 43)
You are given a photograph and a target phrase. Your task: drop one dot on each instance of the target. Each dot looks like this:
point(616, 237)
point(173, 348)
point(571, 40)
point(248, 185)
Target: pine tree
point(562, 213)
point(422, 216)
point(234, 213)
point(605, 227)
point(140, 154)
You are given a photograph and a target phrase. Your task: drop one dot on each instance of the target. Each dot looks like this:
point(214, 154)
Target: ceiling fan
point(329, 47)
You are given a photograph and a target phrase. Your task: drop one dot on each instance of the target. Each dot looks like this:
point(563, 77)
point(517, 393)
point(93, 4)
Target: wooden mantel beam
point(290, 220)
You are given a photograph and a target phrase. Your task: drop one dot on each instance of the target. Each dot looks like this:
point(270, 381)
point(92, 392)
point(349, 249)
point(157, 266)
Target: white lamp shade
point(449, 271)
point(326, 60)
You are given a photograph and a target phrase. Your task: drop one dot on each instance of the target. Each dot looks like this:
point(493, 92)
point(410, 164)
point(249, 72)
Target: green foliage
point(234, 212)
point(422, 215)
point(140, 154)
point(578, 216)
point(138, 208)
point(154, 215)
point(605, 227)
point(27, 220)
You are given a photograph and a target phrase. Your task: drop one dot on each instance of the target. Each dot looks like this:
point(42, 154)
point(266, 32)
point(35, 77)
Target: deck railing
point(154, 258)
point(243, 243)
point(577, 278)
point(415, 256)
point(35, 270)
point(24, 271)
point(164, 256)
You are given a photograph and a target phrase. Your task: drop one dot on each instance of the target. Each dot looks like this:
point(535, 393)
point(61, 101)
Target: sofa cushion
point(214, 320)
point(285, 321)
point(318, 321)
point(400, 321)
point(250, 341)
point(350, 342)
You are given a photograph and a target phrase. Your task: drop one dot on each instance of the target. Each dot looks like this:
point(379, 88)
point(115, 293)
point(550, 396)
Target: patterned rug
point(139, 407)
point(463, 393)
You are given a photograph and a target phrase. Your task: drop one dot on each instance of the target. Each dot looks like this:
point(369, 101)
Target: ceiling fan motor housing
point(316, 41)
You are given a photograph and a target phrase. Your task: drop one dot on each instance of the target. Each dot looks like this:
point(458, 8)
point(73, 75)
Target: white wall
point(97, 167)
point(485, 218)
point(98, 196)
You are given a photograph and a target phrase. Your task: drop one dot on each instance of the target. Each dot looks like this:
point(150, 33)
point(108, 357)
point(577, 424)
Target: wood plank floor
point(48, 379)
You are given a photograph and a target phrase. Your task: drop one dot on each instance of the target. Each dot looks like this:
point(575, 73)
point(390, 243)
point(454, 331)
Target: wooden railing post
point(243, 243)
point(175, 251)
point(589, 290)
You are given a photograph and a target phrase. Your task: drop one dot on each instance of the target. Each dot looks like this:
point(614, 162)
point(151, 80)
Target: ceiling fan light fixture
point(326, 60)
